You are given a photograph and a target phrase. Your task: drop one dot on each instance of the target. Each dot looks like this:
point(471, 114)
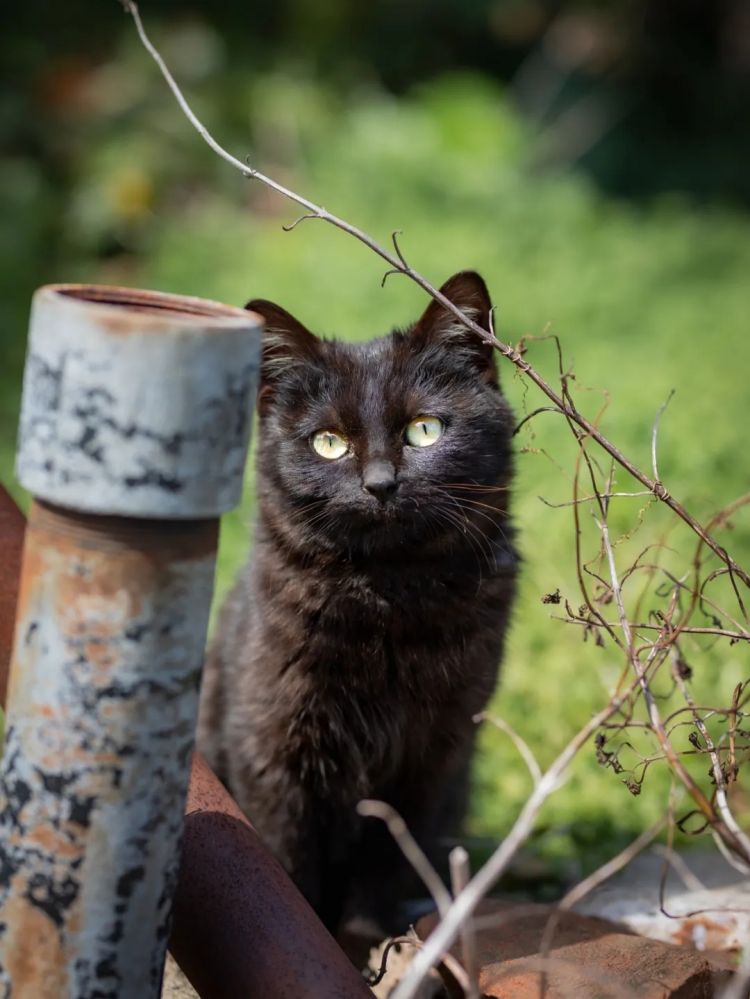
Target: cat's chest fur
point(372, 664)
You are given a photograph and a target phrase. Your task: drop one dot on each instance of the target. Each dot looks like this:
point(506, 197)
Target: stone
point(589, 957)
point(175, 985)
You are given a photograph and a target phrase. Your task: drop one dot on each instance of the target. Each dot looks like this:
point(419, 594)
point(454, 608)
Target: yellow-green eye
point(329, 444)
point(423, 431)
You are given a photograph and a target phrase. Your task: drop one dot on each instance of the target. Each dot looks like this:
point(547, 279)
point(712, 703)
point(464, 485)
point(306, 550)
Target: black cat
point(368, 626)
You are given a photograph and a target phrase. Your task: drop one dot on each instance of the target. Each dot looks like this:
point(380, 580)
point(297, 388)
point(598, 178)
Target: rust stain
point(27, 588)
point(133, 310)
point(34, 956)
point(165, 540)
point(54, 842)
point(711, 933)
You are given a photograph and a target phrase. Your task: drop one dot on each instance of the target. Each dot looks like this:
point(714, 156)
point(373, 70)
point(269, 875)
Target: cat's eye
point(329, 444)
point(423, 431)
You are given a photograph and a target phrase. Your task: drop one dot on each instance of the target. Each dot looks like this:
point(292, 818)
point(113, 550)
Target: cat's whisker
point(476, 487)
point(302, 511)
point(478, 503)
point(479, 509)
point(447, 490)
point(458, 523)
point(497, 528)
point(474, 505)
point(481, 544)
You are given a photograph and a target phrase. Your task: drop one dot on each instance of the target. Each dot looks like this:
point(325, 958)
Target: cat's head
point(400, 440)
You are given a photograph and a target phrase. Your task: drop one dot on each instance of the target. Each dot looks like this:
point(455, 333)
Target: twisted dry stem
point(410, 849)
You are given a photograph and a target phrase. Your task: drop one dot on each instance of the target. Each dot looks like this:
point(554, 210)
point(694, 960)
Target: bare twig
point(521, 745)
point(397, 262)
point(536, 412)
point(655, 433)
point(599, 496)
point(458, 861)
point(675, 861)
point(411, 939)
point(410, 849)
point(730, 834)
point(736, 636)
point(466, 902)
point(722, 802)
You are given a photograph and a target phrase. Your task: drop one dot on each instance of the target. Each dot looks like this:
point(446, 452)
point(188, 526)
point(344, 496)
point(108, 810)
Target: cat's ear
point(468, 292)
point(287, 344)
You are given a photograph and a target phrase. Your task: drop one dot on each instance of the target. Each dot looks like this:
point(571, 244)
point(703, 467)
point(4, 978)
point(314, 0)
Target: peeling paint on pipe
point(239, 925)
point(135, 402)
point(12, 528)
point(241, 929)
point(110, 626)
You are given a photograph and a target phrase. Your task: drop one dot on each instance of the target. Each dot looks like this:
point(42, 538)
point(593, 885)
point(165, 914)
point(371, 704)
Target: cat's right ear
point(287, 344)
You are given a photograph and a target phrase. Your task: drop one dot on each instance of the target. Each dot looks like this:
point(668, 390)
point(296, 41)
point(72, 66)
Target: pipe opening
point(153, 302)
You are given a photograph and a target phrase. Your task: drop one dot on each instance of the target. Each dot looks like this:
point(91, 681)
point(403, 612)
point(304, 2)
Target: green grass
point(645, 299)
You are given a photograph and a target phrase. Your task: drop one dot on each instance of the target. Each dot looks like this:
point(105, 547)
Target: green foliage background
point(646, 297)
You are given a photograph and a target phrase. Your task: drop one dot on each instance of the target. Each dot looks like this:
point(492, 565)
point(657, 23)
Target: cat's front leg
point(432, 800)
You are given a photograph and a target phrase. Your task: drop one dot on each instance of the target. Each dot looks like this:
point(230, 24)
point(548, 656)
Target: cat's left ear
point(287, 345)
point(468, 292)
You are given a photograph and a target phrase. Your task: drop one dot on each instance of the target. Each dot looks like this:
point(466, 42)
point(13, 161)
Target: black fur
point(366, 630)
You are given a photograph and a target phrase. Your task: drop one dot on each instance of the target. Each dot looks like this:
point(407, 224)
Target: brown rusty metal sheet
point(241, 928)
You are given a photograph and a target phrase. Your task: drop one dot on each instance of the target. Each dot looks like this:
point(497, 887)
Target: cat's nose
point(379, 478)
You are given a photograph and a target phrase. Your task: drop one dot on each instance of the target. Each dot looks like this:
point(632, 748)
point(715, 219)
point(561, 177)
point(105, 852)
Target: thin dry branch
point(397, 262)
point(464, 905)
point(691, 881)
point(723, 825)
point(720, 780)
point(458, 861)
point(411, 939)
point(410, 849)
point(521, 745)
point(655, 434)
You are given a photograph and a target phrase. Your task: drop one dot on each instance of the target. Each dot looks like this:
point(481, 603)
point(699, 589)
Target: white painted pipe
point(134, 427)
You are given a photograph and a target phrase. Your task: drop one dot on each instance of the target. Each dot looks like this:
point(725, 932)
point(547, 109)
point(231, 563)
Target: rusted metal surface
point(241, 929)
point(12, 528)
point(98, 741)
point(110, 627)
point(94, 437)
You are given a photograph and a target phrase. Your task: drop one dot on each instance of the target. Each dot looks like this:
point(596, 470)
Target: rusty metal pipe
point(134, 427)
point(241, 929)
